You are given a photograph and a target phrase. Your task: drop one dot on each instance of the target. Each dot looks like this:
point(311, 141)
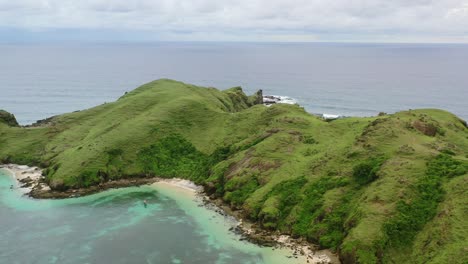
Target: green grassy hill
point(388, 189)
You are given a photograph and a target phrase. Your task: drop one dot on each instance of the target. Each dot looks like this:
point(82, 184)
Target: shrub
point(309, 210)
point(448, 152)
point(445, 166)
point(366, 171)
point(412, 216)
point(331, 239)
point(240, 189)
point(87, 178)
point(309, 140)
point(114, 164)
point(174, 156)
point(289, 194)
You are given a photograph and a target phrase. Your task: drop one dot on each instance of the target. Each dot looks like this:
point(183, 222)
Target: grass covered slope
point(383, 189)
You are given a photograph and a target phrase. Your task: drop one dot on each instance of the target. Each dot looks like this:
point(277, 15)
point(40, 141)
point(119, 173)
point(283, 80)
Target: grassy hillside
point(385, 189)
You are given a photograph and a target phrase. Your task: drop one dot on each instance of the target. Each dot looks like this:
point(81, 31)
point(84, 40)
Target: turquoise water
point(115, 227)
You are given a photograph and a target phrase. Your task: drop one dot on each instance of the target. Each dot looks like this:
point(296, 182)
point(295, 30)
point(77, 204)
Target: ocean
point(42, 80)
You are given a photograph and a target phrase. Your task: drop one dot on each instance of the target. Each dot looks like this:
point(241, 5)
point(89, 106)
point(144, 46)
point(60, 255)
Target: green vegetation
point(366, 171)
point(7, 118)
point(239, 189)
point(386, 189)
point(314, 221)
point(173, 156)
point(411, 216)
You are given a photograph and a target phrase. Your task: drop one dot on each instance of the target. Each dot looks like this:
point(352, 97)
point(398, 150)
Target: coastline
point(27, 178)
point(31, 182)
point(36, 186)
point(299, 249)
point(254, 234)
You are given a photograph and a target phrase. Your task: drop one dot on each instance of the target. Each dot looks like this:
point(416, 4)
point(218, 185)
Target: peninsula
point(384, 189)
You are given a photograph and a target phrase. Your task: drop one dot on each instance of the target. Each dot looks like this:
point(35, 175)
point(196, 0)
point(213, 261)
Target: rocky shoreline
point(31, 182)
point(269, 100)
point(251, 232)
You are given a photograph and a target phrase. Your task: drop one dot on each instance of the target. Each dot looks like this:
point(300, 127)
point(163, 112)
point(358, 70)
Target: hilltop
point(385, 189)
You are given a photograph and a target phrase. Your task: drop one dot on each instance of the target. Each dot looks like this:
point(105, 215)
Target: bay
point(115, 227)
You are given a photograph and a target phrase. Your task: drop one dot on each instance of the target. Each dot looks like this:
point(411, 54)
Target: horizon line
point(124, 42)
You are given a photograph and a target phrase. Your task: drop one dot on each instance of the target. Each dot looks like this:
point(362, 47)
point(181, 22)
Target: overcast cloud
point(246, 20)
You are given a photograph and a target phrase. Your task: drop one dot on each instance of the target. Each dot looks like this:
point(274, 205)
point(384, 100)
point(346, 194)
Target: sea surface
point(41, 80)
point(115, 227)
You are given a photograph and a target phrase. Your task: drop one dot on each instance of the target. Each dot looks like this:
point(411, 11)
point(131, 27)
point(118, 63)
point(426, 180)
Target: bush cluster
point(174, 156)
point(366, 171)
point(315, 222)
point(428, 193)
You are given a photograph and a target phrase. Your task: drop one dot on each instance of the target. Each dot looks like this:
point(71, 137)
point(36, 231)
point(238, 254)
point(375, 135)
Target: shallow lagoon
point(115, 227)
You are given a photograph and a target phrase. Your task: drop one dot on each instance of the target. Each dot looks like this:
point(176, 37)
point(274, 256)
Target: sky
point(413, 21)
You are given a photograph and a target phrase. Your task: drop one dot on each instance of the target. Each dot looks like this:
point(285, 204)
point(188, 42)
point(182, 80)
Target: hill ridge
point(346, 185)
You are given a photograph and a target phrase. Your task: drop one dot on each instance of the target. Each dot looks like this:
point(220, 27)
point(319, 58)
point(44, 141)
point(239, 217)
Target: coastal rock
point(238, 98)
point(274, 99)
point(210, 188)
point(257, 98)
point(43, 122)
point(26, 180)
point(269, 99)
point(59, 191)
point(27, 185)
point(58, 185)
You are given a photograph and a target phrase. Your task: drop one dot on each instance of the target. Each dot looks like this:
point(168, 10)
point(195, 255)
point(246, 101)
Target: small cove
point(114, 227)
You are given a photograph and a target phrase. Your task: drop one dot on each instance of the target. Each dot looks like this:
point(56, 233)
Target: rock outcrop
point(256, 98)
point(8, 118)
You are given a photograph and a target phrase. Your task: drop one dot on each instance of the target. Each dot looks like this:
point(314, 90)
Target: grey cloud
point(366, 18)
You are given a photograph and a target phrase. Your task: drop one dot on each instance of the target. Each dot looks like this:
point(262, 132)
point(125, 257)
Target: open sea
point(41, 80)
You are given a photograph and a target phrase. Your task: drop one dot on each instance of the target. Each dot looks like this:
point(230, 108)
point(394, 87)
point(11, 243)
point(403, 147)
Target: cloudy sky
point(235, 20)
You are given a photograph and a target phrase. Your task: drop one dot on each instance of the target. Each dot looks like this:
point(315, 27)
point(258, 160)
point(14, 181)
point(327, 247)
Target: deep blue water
point(37, 81)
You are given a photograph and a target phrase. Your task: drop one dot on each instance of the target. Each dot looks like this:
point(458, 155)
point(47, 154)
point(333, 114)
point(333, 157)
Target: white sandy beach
point(287, 245)
point(180, 183)
point(23, 172)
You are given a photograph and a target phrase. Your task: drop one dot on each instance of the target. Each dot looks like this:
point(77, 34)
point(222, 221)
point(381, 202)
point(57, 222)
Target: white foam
point(330, 116)
point(287, 100)
point(278, 99)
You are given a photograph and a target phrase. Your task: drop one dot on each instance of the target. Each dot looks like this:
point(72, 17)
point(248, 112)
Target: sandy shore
point(181, 183)
point(26, 177)
point(302, 251)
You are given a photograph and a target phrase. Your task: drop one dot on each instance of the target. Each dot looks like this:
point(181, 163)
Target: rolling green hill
point(388, 189)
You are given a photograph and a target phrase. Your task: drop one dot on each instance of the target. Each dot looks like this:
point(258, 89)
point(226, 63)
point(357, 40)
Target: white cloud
point(367, 20)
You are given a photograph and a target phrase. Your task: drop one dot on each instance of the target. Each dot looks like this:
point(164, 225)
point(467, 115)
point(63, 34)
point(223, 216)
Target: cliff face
point(257, 98)
point(350, 184)
point(240, 101)
point(8, 119)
